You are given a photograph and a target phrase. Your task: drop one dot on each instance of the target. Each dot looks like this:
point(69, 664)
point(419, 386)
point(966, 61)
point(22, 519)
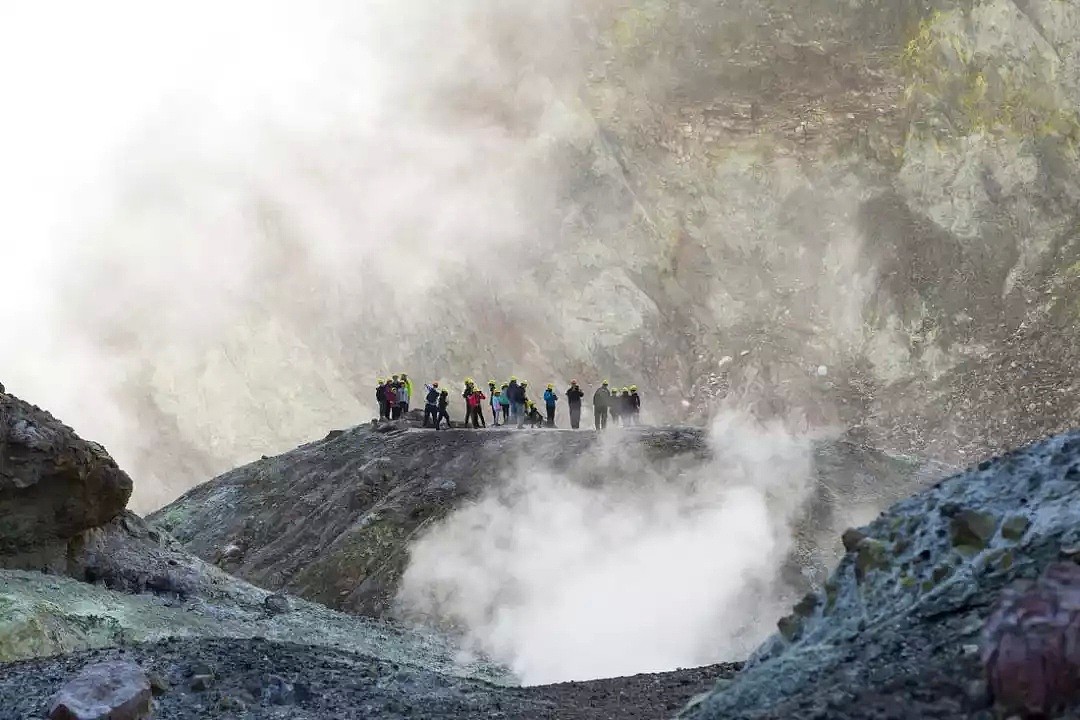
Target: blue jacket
point(550, 397)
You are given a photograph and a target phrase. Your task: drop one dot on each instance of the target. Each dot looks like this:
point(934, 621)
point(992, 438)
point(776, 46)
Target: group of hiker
point(509, 403)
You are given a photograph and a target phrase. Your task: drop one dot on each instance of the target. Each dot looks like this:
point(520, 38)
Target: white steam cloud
point(566, 579)
point(223, 221)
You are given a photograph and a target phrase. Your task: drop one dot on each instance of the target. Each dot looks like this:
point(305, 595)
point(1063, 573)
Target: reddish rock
point(1031, 644)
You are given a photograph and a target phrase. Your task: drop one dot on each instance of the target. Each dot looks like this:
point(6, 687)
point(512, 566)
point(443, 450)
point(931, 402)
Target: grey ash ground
point(260, 679)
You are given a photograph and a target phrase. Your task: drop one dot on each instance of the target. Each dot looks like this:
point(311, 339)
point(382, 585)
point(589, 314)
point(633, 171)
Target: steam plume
point(651, 569)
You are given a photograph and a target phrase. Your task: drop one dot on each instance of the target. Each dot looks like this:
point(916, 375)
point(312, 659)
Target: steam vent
point(550, 360)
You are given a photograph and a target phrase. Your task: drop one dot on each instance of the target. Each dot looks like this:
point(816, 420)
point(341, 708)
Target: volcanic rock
point(53, 484)
point(896, 640)
point(114, 690)
point(1031, 644)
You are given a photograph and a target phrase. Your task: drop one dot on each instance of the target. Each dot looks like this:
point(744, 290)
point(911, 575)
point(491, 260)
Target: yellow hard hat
point(633, 388)
point(551, 386)
point(491, 382)
point(626, 389)
point(513, 378)
point(469, 381)
point(604, 383)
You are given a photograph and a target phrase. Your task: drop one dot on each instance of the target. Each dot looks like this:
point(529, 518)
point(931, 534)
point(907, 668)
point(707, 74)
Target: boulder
point(851, 539)
point(1015, 527)
point(53, 484)
point(277, 604)
point(114, 690)
point(971, 530)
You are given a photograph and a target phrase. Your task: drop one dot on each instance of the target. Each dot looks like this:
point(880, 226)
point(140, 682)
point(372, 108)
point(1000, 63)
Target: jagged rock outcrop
point(62, 511)
point(332, 520)
point(896, 631)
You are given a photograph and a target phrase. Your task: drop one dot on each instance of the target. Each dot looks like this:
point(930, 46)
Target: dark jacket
point(601, 399)
point(444, 400)
point(574, 396)
point(635, 401)
point(513, 391)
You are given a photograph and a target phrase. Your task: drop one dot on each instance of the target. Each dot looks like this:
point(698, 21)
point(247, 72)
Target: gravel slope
point(256, 678)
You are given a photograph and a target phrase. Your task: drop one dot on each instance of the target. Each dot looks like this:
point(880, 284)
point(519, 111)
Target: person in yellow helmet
point(534, 417)
point(504, 403)
point(516, 395)
point(550, 399)
point(625, 410)
point(615, 407)
point(492, 387)
point(405, 394)
point(574, 395)
point(471, 410)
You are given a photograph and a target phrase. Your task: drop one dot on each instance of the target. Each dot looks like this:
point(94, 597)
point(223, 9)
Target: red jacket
point(476, 398)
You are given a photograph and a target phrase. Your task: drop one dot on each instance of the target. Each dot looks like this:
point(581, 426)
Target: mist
point(222, 224)
point(616, 567)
